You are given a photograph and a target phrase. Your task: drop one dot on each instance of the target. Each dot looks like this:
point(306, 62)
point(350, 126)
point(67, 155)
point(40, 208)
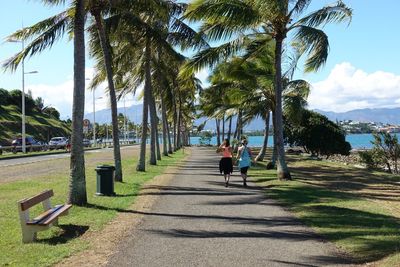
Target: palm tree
point(239, 19)
point(43, 35)
point(96, 8)
point(46, 32)
point(77, 182)
point(155, 33)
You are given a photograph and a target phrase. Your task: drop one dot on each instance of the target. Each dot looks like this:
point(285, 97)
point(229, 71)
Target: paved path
point(198, 222)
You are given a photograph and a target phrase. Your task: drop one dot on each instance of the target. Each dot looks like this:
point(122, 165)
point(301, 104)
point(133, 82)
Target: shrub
point(205, 138)
point(52, 112)
point(386, 152)
point(4, 97)
point(16, 99)
point(317, 135)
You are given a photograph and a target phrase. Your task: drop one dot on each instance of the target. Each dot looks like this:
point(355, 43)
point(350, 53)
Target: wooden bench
point(42, 222)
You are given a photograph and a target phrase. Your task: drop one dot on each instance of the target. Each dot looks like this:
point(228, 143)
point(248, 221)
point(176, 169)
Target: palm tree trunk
point(174, 127)
point(272, 163)
point(141, 166)
point(223, 128)
point(230, 128)
point(178, 126)
point(170, 151)
point(236, 128)
point(261, 154)
point(164, 127)
point(239, 125)
point(158, 144)
point(218, 132)
point(77, 180)
point(153, 123)
point(282, 169)
point(113, 99)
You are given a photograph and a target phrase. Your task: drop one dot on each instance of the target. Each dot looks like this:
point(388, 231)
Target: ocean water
point(357, 141)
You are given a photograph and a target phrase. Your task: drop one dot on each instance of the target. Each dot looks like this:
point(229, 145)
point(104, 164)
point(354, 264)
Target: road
point(196, 221)
point(38, 166)
point(34, 159)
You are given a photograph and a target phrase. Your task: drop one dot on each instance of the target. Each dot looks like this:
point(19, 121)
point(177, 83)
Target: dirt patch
point(103, 243)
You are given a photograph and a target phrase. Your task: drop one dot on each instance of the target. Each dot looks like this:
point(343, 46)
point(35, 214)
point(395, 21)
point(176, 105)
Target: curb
point(41, 154)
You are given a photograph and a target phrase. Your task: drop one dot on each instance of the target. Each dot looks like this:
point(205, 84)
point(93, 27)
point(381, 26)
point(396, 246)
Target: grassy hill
point(40, 126)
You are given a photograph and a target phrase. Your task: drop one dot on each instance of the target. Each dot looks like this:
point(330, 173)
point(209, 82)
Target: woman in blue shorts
point(244, 157)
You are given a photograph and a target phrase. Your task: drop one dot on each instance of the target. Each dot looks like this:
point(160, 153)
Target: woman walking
point(226, 165)
point(244, 157)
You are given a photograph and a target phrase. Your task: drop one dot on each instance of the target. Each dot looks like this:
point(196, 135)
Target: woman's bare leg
point(244, 177)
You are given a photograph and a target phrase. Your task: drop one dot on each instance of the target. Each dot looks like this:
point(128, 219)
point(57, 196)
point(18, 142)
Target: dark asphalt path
point(198, 222)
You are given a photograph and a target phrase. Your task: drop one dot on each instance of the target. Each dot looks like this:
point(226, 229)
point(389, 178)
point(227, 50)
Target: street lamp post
point(94, 118)
point(23, 106)
point(124, 120)
point(23, 94)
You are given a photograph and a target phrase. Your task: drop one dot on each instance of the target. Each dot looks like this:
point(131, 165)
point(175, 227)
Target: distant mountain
point(134, 113)
point(384, 115)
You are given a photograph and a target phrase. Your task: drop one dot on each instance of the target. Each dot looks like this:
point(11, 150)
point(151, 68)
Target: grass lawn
point(59, 242)
point(356, 209)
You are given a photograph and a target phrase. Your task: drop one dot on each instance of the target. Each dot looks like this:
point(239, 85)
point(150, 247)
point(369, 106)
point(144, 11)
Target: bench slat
point(44, 215)
point(52, 217)
point(32, 201)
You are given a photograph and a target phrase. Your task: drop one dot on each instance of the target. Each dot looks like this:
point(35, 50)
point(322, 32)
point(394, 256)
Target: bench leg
point(28, 235)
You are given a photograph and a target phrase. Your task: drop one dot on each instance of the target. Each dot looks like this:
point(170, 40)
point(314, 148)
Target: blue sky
point(363, 67)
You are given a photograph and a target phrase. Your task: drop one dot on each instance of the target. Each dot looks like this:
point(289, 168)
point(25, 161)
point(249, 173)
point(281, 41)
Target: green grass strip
point(357, 225)
point(57, 243)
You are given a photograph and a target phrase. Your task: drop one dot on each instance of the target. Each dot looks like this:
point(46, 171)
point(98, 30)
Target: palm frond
point(299, 7)
point(228, 11)
point(45, 34)
point(315, 43)
point(212, 56)
point(336, 13)
point(184, 36)
point(53, 2)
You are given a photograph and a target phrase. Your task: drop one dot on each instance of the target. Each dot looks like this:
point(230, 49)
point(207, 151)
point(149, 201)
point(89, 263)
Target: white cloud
point(348, 88)
point(203, 76)
point(60, 96)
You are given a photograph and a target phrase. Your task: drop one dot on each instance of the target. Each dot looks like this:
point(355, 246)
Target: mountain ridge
point(383, 115)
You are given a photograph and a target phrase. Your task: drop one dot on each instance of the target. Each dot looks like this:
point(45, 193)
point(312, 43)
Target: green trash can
point(105, 180)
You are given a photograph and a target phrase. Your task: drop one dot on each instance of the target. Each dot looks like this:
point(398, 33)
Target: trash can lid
point(105, 166)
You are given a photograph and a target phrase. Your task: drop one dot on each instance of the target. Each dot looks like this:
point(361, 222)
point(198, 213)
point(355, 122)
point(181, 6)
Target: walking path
point(198, 222)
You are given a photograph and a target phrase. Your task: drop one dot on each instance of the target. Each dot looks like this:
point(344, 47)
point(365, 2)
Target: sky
point(362, 70)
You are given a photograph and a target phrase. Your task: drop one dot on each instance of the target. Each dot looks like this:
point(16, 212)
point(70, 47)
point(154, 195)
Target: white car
point(58, 142)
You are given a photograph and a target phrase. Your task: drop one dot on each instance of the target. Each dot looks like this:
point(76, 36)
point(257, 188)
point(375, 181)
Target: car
point(58, 142)
point(86, 142)
point(30, 143)
point(44, 145)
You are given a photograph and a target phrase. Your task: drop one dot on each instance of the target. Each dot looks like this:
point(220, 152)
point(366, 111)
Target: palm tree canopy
point(234, 20)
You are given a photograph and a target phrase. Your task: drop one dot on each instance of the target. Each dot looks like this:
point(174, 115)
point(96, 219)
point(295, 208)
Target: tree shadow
point(359, 182)
point(375, 235)
point(68, 232)
point(288, 235)
point(187, 190)
point(265, 221)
